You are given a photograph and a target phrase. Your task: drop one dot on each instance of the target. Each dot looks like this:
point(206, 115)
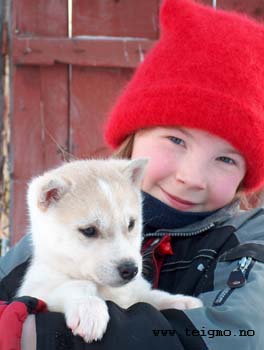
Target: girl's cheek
point(153, 173)
point(162, 163)
point(223, 190)
point(157, 170)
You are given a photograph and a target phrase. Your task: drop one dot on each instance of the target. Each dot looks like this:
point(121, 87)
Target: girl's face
point(189, 169)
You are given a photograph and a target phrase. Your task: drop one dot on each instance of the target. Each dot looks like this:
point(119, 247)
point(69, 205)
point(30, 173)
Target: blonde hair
point(125, 149)
point(248, 200)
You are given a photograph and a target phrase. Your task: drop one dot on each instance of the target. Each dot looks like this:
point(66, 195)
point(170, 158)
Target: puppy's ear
point(135, 170)
point(51, 192)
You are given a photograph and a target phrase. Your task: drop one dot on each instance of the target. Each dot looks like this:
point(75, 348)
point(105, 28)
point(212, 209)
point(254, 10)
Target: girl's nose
point(193, 176)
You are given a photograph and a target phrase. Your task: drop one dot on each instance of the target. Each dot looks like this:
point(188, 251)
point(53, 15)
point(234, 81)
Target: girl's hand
point(17, 323)
point(28, 339)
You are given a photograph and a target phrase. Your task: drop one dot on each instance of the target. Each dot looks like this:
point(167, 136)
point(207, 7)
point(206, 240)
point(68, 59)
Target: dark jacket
point(220, 259)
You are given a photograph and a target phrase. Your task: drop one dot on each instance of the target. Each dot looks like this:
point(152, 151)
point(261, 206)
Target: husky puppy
point(86, 228)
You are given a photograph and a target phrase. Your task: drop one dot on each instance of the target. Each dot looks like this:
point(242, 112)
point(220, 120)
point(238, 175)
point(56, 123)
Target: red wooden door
point(63, 86)
point(40, 101)
point(123, 30)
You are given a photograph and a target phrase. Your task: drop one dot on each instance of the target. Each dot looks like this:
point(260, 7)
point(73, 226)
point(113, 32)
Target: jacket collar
point(214, 220)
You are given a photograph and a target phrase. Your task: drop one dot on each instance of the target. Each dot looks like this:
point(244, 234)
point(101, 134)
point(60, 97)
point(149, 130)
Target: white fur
point(75, 274)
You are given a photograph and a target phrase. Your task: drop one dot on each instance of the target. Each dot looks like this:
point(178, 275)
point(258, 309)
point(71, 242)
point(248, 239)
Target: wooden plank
point(122, 32)
point(39, 119)
point(86, 51)
point(124, 18)
point(41, 17)
point(205, 2)
point(254, 8)
point(92, 93)
point(39, 128)
point(2, 49)
point(2, 199)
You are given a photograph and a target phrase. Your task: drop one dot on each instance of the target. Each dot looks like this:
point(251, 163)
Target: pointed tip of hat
point(178, 11)
point(171, 9)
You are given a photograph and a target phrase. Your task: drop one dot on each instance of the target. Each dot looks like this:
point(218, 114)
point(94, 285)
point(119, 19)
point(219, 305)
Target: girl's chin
point(178, 204)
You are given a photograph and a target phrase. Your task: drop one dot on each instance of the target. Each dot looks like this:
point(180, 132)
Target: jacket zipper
point(236, 279)
point(244, 264)
point(180, 234)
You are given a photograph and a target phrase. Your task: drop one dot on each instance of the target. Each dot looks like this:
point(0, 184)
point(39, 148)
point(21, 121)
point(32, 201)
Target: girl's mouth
point(177, 202)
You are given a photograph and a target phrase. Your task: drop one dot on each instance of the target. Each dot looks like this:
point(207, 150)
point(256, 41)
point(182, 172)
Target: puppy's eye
point(90, 231)
point(131, 224)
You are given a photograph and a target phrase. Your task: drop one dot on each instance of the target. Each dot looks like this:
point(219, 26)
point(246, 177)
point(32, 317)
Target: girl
point(195, 108)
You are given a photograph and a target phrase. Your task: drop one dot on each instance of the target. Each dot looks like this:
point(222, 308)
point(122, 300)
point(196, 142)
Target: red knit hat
point(205, 72)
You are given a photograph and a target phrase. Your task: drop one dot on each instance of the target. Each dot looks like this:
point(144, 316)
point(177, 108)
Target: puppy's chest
point(123, 296)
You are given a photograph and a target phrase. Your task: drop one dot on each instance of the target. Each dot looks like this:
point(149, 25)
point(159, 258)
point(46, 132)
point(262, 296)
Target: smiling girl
point(189, 169)
point(195, 109)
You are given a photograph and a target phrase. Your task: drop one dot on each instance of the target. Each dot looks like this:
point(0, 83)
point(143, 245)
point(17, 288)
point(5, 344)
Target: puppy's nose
point(127, 270)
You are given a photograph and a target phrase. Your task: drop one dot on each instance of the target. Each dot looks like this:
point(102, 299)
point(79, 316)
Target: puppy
point(86, 229)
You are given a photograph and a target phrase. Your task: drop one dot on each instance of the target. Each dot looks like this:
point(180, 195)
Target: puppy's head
point(86, 219)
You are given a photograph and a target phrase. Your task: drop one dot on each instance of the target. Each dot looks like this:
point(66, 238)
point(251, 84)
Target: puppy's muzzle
point(127, 270)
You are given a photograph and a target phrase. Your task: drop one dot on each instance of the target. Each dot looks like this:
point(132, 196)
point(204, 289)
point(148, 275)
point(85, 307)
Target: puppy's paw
point(180, 302)
point(183, 302)
point(87, 318)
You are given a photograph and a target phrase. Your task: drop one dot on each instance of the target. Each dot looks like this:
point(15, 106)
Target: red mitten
point(12, 317)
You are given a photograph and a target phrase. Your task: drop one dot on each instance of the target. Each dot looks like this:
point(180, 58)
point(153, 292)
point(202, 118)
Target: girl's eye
point(227, 160)
point(176, 140)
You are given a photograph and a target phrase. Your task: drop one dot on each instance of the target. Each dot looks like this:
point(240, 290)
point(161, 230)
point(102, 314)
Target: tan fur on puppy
point(86, 232)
